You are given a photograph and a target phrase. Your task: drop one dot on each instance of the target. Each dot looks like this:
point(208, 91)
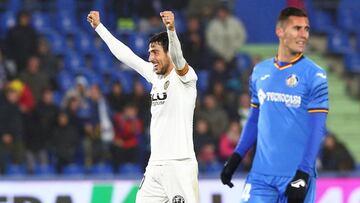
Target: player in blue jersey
point(289, 96)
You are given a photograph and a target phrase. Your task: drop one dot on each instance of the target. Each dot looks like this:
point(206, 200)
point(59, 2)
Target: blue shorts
point(271, 189)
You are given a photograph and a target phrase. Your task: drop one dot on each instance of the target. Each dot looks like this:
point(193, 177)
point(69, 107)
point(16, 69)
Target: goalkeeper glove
point(296, 189)
point(229, 169)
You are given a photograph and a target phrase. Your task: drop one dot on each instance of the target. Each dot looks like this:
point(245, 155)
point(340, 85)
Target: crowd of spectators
point(107, 121)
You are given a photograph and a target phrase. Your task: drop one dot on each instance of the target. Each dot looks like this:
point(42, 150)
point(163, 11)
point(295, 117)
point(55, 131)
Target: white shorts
point(171, 182)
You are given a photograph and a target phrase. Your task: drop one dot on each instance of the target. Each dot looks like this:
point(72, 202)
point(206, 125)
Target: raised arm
point(119, 49)
point(175, 51)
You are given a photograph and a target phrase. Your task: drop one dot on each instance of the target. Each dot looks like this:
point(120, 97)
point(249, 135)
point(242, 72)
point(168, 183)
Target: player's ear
point(279, 31)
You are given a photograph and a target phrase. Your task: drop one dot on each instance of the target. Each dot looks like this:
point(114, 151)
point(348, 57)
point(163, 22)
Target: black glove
point(296, 190)
point(229, 169)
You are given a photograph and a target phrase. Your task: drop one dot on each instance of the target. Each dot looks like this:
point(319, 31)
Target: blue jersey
point(285, 95)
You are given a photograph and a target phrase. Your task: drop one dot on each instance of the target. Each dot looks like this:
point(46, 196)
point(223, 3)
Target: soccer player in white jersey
point(172, 172)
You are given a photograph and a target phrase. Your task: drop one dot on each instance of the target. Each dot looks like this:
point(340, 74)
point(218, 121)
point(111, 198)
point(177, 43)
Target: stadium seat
point(101, 169)
point(84, 43)
point(73, 62)
point(102, 62)
point(203, 80)
point(130, 169)
point(346, 19)
point(73, 170)
point(125, 78)
point(44, 170)
point(243, 62)
point(138, 42)
point(57, 42)
point(352, 62)
point(13, 5)
point(41, 21)
point(214, 168)
point(66, 22)
point(7, 20)
point(64, 80)
point(320, 21)
point(67, 5)
point(57, 97)
point(338, 43)
point(15, 170)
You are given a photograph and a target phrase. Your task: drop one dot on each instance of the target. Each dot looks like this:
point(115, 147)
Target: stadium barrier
point(329, 190)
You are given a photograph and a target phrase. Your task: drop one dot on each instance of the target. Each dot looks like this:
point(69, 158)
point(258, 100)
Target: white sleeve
point(125, 54)
point(175, 50)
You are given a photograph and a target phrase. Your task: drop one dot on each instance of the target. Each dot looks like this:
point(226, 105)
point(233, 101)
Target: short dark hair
point(161, 38)
point(290, 11)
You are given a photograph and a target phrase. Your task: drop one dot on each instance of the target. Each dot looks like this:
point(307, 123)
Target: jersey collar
point(283, 65)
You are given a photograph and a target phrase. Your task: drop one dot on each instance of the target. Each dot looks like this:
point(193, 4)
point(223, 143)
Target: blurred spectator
point(48, 61)
point(219, 72)
point(99, 128)
point(141, 100)
point(193, 44)
point(202, 136)
point(225, 98)
point(64, 142)
point(43, 122)
point(128, 129)
point(34, 78)
point(150, 25)
point(335, 155)
point(26, 101)
point(229, 140)
point(202, 8)
point(21, 40)
point(296, 3)
point(243, 107)
point(225, 34)
point(117, 98)
point(215, 116)
point(11, 129)
point(207, 158)
point(80, 91)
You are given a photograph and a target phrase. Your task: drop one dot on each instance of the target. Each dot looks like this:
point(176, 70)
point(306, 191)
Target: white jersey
point(173, 101)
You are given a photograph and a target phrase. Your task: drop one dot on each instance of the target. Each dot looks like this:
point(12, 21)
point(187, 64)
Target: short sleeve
point(319, 96)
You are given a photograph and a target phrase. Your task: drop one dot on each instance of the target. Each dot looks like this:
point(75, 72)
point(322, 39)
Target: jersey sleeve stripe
point(320, 96)
point(320, 87)
point(254, 105)
point(320, 110)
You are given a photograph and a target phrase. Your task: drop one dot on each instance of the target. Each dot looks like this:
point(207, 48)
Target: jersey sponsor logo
point(289, 100)
point(298, 183)
point(178, 199)
point(322, 75)
point(292, 80)
point(158, 98)
point(265, 77)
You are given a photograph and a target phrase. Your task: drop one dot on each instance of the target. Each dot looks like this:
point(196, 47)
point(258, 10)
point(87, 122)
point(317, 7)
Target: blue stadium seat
point(84, 43)
point(41, 21)
point(64, 80)
point(73, 170)
point(214, 168)
point(203, 80)
point(7, 20)
point(73, 62)
point(57, 42)
point(44, 170)
point(130, 169)
point(126, 78)
point(243, 62)
point(15, 170)
point(346, 19)
point(66, 22)
point(338, 42)
point(352, 62)
point(321, 21)
point(138, 42)
point(102, 62)
point(58, 97)
point(101, 169)
point(13, 5)
point(67, 5)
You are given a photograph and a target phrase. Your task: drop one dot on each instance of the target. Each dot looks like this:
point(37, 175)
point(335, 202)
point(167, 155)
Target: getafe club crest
point(292, 80)
point(166, 85)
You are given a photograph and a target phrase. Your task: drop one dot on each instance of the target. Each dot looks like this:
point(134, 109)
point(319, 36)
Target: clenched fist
point(168, 19)
point(93, 18)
